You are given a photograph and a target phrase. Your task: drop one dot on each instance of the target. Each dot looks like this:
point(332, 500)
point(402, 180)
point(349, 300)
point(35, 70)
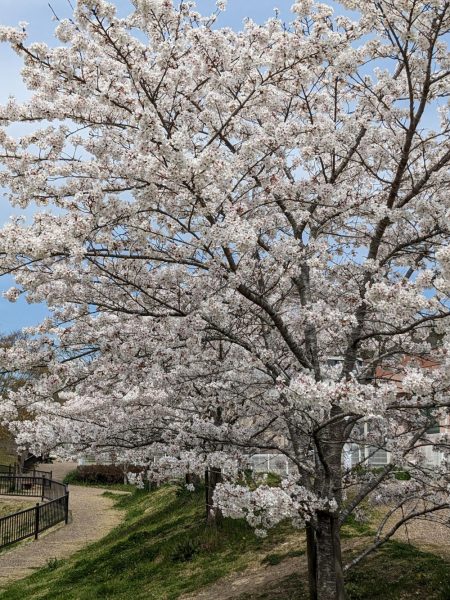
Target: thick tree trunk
point(213, 476)
point(329, 576)
point(311, 550)
point(329, 572)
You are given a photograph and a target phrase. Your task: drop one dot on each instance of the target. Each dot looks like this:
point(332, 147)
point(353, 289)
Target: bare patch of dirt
point(253, 580)
point(430, 535)
point(261, 580)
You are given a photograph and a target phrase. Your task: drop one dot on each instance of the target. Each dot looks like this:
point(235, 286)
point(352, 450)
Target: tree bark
point(192, 478)
point(311, 551)
point(329, 571)
point(213, 476)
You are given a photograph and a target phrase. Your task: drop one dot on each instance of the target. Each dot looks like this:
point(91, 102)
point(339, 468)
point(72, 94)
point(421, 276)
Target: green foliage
point(53, 563)
point(183, 492)
point(363, 470)
point(185, 550)
point(402, 475)
point(74, 478)
point(94, 474)
point(253, 480)
point(353, 528)
point(71, 477)
point(273, 479)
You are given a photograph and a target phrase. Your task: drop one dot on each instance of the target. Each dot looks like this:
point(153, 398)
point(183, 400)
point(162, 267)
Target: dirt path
point(92, 518)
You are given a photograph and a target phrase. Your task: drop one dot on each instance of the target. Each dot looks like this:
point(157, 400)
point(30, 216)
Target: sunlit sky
point(41, 25)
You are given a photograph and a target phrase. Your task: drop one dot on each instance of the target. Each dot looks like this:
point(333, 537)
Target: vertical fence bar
point(66, 506)
point(36, 522)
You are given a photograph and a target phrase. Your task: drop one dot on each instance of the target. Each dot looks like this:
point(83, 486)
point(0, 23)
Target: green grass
point(6, 458)
point(397, 571)
point(353, 528)
point(164, 549)
point(8, 507)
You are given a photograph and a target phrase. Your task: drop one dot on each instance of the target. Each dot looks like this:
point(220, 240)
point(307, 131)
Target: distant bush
point(99, 474)
point(402, 475)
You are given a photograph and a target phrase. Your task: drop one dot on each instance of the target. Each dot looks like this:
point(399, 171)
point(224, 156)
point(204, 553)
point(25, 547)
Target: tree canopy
point(243, 227)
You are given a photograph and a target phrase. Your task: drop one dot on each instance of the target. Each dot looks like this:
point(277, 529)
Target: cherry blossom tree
point(243, 227)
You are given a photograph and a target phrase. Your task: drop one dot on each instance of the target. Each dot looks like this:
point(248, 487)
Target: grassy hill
point(163, 549)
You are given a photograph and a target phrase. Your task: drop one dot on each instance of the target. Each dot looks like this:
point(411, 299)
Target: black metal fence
point(14, 470)
point(30, 522)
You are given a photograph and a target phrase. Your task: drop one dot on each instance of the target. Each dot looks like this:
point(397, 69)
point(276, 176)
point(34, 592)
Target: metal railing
point(270, 463)
point(32, 521)
point(14, 470)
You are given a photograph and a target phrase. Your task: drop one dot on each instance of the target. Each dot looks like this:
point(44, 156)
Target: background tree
point(234, 209)
point(10, 381)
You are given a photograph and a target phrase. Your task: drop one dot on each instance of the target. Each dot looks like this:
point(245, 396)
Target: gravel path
point(92, 519)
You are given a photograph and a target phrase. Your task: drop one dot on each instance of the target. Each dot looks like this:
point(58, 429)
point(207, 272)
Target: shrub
point(402, 475)
point(54, 563)
point(185, 551)
point(95, 474)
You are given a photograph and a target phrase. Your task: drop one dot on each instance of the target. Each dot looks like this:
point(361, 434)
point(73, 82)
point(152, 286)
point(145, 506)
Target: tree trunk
point(329, 572)
point(213, 476)
point(192, 478)
point(311, 551)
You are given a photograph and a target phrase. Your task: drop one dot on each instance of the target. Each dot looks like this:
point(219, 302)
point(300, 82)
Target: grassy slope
point(8, 507)
point(6, 458)
point(396, 572)
point(163, 549)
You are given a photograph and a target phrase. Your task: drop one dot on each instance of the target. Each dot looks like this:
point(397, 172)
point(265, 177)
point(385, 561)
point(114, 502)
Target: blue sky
point(38, 14)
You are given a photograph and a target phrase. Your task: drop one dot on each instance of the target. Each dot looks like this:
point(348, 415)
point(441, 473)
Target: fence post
point(42, 486)
point(36, 522)
point(67, 506)
point(207, 492)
